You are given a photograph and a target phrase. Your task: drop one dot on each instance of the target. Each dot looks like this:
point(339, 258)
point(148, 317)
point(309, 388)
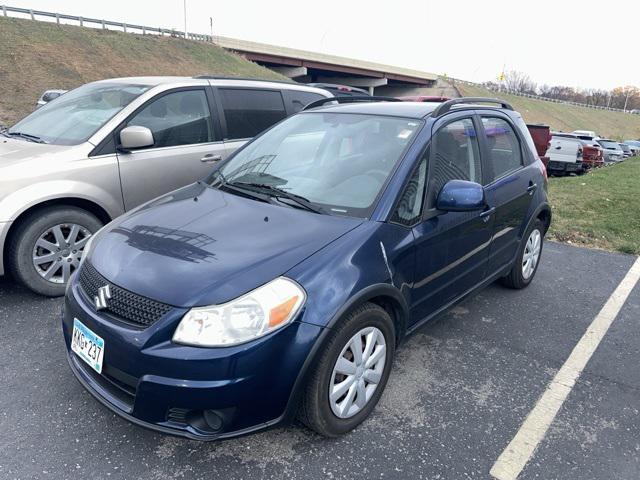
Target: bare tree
point(519, 82)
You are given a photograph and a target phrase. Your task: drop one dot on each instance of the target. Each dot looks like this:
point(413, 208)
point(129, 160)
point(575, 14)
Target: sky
point(583, 44)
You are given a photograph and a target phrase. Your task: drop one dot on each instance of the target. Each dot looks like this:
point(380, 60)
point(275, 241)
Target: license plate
point(87, 345)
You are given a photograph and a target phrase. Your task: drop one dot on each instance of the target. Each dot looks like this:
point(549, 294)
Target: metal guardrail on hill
point(86, 21)
point(454, 81)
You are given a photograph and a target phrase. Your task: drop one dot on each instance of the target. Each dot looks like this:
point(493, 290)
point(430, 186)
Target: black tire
point(23, 241)
point(515, 278)
point(315, 410)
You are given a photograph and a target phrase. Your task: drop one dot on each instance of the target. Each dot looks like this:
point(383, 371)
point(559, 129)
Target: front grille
point(124, 305)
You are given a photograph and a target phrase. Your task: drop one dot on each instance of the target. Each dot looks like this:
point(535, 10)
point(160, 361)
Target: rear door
point(512, 181)
point(187, 145)
point(247, 112)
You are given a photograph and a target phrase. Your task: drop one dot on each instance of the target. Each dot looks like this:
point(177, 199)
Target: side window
point(505, 153)
point(178, 118)
point(409, 207)
point(249, 112)
point(455, 156)
point(298, 99)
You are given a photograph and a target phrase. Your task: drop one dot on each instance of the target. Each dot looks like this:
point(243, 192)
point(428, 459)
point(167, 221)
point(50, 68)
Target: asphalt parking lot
point(460, 389)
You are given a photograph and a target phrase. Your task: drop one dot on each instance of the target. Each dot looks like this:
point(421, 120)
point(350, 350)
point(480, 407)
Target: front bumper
point(179, 389)
point(4, 230)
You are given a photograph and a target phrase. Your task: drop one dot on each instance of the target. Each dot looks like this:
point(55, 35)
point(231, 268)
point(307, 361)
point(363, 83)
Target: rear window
point(249, 112)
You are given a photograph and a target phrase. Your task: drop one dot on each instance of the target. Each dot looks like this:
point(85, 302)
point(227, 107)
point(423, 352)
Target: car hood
point(13, 151)
point(202, 246)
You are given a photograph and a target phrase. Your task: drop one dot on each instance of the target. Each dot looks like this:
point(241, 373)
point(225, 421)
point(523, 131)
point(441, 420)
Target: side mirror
point(136, 137)
point(461, 196)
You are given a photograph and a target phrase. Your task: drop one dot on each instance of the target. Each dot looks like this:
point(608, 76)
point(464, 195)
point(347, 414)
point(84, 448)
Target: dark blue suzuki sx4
point(281, 286)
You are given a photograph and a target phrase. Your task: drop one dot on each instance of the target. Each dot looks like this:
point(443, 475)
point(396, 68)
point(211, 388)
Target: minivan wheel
point(528, 257)
point(47, 247)
point(352, 372)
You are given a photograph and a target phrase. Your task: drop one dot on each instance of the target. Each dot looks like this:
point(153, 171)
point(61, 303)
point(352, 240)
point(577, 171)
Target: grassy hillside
point(36, 56)
point(600, 209)
point(616, 125)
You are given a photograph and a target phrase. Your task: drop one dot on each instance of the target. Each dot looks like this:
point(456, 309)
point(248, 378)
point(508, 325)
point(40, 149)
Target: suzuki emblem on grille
point(100, 300)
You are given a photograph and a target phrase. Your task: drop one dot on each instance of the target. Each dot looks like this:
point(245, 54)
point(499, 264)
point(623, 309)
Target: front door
point(451, 247)
point(185, 149)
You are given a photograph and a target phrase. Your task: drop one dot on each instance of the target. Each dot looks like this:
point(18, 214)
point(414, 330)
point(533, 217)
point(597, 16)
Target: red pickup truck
point(541, 135)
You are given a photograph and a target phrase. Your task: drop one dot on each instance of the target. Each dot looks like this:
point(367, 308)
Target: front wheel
point(47, 247)
point(351, 374)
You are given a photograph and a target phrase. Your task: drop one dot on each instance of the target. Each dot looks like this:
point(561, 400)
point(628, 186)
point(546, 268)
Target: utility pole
point(626, 99)
point(211, 23)
point(185, 18)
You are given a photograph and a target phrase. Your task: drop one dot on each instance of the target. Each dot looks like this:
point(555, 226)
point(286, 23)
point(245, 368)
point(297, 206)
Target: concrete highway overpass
point(304, 66)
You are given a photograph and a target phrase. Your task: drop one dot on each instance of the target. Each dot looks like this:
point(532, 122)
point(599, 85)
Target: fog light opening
point(213, 420)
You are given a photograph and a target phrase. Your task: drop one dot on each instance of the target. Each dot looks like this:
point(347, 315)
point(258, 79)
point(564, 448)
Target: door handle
point(211, 158)
point(532, 188)
point(558, 147)
point(485, 215)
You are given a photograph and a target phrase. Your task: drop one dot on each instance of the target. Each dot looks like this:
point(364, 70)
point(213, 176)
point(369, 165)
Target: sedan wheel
point(531, 254)
point(357, 372)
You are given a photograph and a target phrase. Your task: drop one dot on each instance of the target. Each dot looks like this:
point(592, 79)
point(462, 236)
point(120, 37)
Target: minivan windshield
point(337, 162)
point(72, 118)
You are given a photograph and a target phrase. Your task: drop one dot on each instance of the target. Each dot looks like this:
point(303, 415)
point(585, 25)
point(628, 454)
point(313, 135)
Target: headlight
point(250, 316)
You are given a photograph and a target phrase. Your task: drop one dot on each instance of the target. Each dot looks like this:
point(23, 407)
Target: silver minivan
point(106, 147)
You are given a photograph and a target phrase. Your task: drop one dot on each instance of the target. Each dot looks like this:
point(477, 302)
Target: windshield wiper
point(280, 193)
point(26, 136)
point(239, 188)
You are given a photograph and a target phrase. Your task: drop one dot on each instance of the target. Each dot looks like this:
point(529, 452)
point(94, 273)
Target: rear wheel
point(528, 258)
point(351, 374)
point(47, 247)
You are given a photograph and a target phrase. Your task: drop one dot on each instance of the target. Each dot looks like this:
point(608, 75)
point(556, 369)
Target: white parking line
point(521, 448)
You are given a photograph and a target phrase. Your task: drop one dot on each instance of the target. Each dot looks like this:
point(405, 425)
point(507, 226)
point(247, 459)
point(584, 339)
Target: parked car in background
point(634, 145)
point(423, 98)
point(282, 285)
point(565, 154)
point(49, 95)
point(592, 152)
point(612, 151)
point(593, 156)
point(341, 90)
point(106, 147)
point(588, 133)
point(626, 150)
point(541, 135)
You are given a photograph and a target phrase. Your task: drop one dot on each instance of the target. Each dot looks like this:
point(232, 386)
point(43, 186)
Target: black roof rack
point(446, 106)
point(361, 99)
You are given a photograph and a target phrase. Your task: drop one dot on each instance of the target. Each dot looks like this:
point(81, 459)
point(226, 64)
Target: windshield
point(338, 162)
point(78, 114)
point(608, 144)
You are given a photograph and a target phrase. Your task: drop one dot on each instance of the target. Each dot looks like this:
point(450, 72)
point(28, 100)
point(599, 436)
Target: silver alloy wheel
point(58, 251)
point(531, 254)
point(357, 372)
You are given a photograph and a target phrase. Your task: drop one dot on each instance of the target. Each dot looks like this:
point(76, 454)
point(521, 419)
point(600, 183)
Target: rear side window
point(455, 156)
point(178, 118)
point(298, 100)
point(249, 112)
point(505, 153)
